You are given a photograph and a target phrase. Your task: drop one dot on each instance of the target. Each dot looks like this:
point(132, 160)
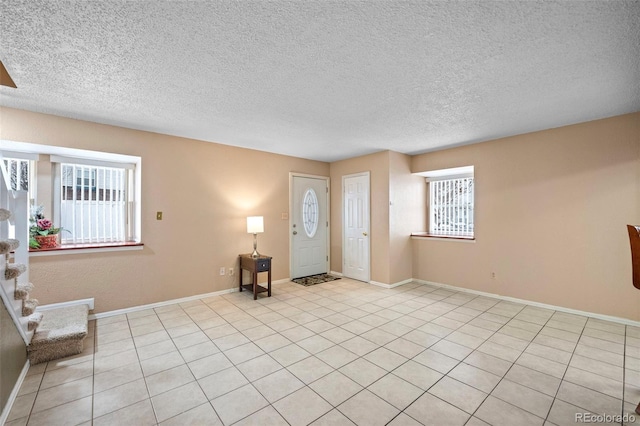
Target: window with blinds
point(451, 206)
point(94, 203)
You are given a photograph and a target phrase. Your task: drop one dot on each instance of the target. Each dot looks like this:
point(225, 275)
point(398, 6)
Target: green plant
point(39, 225)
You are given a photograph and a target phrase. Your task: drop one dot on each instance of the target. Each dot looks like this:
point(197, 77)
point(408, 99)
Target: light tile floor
point(341, 353)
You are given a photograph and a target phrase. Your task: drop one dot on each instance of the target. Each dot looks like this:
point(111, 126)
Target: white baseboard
point(282, 281)
point(394, 285)
point(603, 317)
point(50, 306)
point(337, 274)
point(158, 304)
point(14, 393)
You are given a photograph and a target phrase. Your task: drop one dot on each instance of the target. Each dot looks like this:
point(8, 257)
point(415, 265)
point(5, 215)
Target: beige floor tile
point(302, 407)
point(417, 374)
point(277, 385)
point(272, 342)
point(290, 354)
point(162, 362)
point(499, 413)
point(421, 338)
point(362, 372)
point(222, 382)
point(556, 343)
point(564, 414)
point(404, 347)
point(588, 399)
point(116, 377)
point(474, 421)
point(156, 349)
point(542, 365)
point(67, 374)
point(458, 394)
point(534, 379)
point(396, 391)
point(315, 344)
point(365, 408)
point(259, 367)
point(208, 365)
point(475, 377)
point(319, 325)
point(297, 333)
point(150, 327)
point(335, 388)
point(451, 349)
point(243, 353)
point(385, 358)
point(464, 339)
point(499, 351)
point(75, 412)
point(486, 324)
point(336, 356)
point(436, 360)
point(148, 339)
point(517, 332)
point(523, 397)
point(30, 384)
point(169, 379)
point(61, 394)
point(359, 345)
point(332, 418)
point(432, 411)
point(601, 368)
point(22, 406)
point(266, 416)
point(119, 397)
point(177, 401)
point(594, 381)
point(198, 351)
point(509, 341)
point(605, 345)
point(139, 414)
point(113, 348)
point(489, 363)
point(337, 335)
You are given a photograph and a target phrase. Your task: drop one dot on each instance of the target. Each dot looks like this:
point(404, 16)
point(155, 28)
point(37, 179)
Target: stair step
point(60, 334)
point(14, 270)
point(22, 292)
point(34, 320)
point(29, 306)
point(4, 214)
point(7, 246)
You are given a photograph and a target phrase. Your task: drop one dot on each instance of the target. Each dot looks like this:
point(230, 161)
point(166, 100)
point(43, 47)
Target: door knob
point(295, 232)
point(365, 234)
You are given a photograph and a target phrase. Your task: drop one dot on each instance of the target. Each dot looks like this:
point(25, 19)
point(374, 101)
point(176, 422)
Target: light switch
point(159, 216)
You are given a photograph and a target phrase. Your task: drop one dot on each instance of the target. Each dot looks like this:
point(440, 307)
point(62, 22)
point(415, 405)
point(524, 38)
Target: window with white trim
point(451, 202)
point(93, 200)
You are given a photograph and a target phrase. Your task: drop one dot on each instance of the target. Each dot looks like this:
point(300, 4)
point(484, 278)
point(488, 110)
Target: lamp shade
point(255, 225)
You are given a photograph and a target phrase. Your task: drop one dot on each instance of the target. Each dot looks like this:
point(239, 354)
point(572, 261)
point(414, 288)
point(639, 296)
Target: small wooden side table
point(255, 265)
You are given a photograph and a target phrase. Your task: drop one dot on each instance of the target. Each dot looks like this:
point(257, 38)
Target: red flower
point(44, 224)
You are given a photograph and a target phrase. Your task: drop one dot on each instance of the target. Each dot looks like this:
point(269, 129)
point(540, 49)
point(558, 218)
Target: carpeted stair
point(56, 333)
point(61, 333)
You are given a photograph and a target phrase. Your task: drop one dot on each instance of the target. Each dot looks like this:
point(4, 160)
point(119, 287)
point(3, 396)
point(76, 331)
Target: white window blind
point(19, 173)
point(93, 203)
point(451, 206)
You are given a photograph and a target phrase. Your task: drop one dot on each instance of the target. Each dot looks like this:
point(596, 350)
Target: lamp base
point(255, 253)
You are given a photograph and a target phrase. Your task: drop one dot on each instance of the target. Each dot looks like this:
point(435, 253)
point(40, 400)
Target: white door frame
point(344, 220)
point(290, 227)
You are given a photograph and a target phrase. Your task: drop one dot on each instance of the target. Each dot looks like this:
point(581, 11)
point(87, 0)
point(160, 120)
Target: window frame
point(446, 175)
point(41, 174)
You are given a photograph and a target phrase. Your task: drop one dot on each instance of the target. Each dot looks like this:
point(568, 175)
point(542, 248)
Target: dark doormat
point(315, 279)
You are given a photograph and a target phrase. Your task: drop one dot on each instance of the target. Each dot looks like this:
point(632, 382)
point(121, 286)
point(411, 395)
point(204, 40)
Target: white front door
point(309, 226)
point(355, 227)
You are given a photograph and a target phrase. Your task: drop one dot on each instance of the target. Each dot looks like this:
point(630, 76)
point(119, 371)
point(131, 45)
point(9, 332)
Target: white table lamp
point(255, 225)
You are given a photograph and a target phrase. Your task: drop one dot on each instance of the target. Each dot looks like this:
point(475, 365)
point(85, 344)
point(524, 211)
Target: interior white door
point(355, 225)
point(309, 234)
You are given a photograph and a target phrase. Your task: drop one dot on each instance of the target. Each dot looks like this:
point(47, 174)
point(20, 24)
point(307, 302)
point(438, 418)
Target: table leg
point(240, 278)
point(255, 285)
point(269, 283)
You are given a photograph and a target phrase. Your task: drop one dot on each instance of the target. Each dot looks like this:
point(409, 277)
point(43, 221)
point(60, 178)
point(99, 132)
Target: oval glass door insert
point(310, 212)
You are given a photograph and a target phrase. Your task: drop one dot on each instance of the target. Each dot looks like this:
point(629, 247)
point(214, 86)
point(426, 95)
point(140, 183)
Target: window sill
point(86, 249)
point(426, 235)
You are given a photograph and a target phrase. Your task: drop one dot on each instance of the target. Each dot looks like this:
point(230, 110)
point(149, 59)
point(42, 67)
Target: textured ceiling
point(324, 79)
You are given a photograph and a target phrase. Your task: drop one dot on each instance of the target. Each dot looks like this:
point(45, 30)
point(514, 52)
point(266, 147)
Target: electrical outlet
point(222, 272)
point(493, 275)
point(230, 271)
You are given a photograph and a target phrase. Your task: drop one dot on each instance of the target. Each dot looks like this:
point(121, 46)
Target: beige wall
point(205, 192)
point(407, 214)
point(551, 210)
point(397, 209)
